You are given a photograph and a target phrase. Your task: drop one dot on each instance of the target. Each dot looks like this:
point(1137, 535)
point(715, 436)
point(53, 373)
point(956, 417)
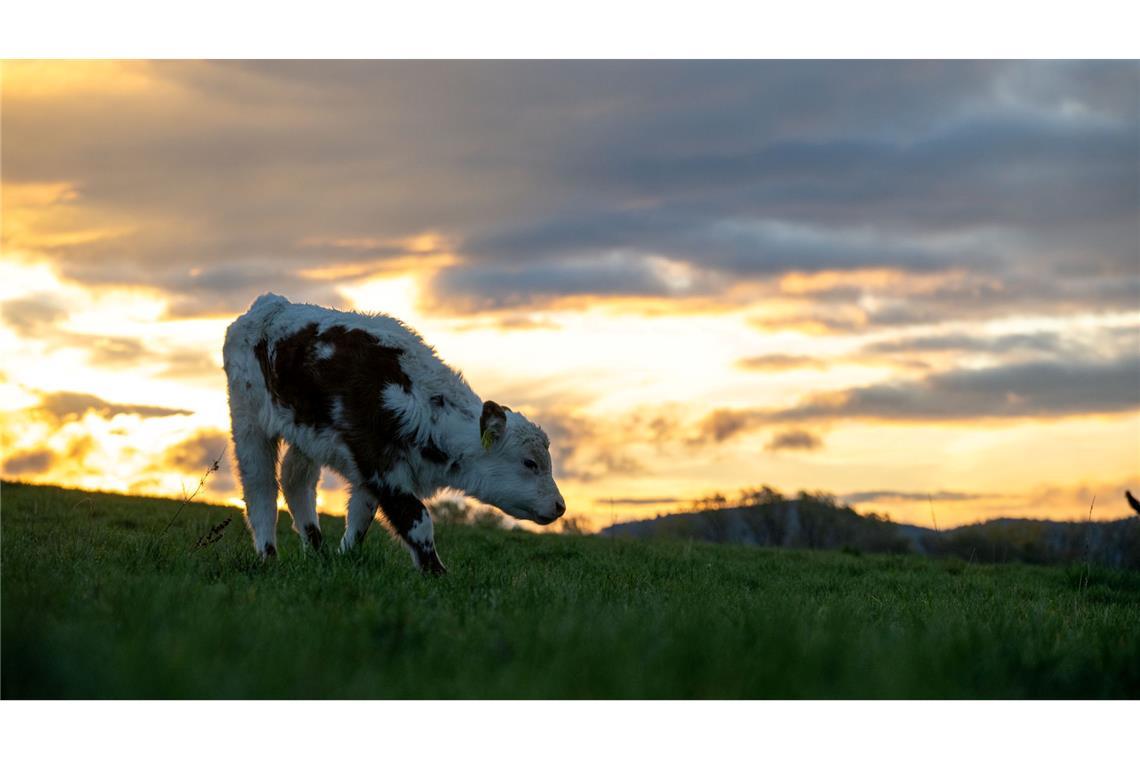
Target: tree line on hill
point(765, 517)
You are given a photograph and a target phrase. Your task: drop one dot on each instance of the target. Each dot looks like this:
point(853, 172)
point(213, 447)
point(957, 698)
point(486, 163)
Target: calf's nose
point(559, 508)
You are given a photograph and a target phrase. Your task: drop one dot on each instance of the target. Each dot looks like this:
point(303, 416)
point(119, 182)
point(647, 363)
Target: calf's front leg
point(411, 521)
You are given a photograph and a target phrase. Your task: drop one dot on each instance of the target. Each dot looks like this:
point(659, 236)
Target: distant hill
point(818, 521)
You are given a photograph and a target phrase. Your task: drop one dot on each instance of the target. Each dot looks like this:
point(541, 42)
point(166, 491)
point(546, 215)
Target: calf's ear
point(492, 423)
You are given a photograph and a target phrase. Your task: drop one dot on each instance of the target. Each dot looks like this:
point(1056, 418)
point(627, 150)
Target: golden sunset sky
point(913, 285)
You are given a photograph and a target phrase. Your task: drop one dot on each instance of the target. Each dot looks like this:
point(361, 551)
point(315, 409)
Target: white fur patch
point(422, 532)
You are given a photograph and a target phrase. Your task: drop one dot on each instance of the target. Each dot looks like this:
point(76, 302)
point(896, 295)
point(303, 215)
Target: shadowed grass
point(98, 602)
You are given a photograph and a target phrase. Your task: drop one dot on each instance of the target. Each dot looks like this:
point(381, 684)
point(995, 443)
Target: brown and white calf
point(366, 397)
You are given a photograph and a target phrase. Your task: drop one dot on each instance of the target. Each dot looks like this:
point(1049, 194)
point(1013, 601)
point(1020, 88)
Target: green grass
point(97, 601)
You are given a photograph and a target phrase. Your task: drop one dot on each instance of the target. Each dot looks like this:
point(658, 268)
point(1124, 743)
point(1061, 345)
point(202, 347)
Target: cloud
point(799, 440)
point(581, 450)
point(65, 405)
point(540, 175)
point(1033, 389)
point(476, 288)
point(906, 301)
point(779, 362)
point(31, 316)
point(196, 454)
point(722, 424)
point(199, 451)
point(38, 317)
point(1014, 293)
point(523, 322)
point(1042, 342)
point(29, 462)
point(861, 497)
point(113, 351)
point(640, 501)
point(1113, 340)
point(226, 289)
point(1040, 389)
point(734, 245)
point(812, 322)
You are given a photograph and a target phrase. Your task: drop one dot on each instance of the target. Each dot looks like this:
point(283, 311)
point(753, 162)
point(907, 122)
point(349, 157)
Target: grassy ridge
point(97, 601)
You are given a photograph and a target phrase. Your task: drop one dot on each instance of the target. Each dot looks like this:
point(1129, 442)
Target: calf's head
point(514, 467)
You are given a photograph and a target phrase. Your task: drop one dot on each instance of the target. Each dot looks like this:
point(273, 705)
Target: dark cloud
point(1023, 390)
point(798, 440)
point(813, 321)
point(1042, 342)
point(722, 424)
point(974, 298)
point(233, 176)
point(474, 288)
point(32, 316)
point(1079, 347)
point(1012, 294)
point(860, 497)
point(628, 254)
point(1034, 389)
point(198, 453)
point(29, 462)
point(65, 405)
point(113, 351)
point(640, 501)
point(79, 447)
point(778, 362)
point(935, 182)
point(227, 289)
point(522, 322)
point(580, 449)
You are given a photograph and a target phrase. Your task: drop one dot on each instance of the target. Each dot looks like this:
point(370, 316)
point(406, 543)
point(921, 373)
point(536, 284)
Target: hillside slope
point(98, 600)
point(764, 518)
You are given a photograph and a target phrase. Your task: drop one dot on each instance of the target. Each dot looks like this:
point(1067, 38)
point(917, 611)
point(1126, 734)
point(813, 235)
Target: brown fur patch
point(355, 375)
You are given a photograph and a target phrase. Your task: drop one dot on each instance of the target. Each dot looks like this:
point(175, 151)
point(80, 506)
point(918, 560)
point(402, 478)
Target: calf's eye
point(531, 465)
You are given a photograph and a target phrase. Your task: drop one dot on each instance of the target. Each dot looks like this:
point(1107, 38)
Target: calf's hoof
point(313, 537)
point(432, 566)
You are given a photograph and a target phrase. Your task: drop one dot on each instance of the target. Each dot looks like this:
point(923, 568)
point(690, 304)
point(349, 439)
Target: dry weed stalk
point(214, 467)
point(213, 535)
point(1083, 586)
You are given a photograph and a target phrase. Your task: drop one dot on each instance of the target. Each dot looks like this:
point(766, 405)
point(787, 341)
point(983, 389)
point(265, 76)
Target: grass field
point(99, 601)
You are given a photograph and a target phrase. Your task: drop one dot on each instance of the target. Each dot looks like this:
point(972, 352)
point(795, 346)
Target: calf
point(365, 396)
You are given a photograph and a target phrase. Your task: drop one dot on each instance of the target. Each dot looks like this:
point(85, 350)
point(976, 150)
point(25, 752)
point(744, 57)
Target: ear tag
point(487, 439)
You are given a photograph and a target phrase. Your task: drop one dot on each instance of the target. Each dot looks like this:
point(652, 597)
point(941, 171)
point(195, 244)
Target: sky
point(914, 285)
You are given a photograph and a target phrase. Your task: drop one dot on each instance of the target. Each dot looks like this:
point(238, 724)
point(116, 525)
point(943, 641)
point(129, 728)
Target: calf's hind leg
point(299, 476)
point(361, 511)
point(256, 456)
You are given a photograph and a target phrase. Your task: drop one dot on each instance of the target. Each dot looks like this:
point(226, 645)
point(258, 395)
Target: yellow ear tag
point(487, 439)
